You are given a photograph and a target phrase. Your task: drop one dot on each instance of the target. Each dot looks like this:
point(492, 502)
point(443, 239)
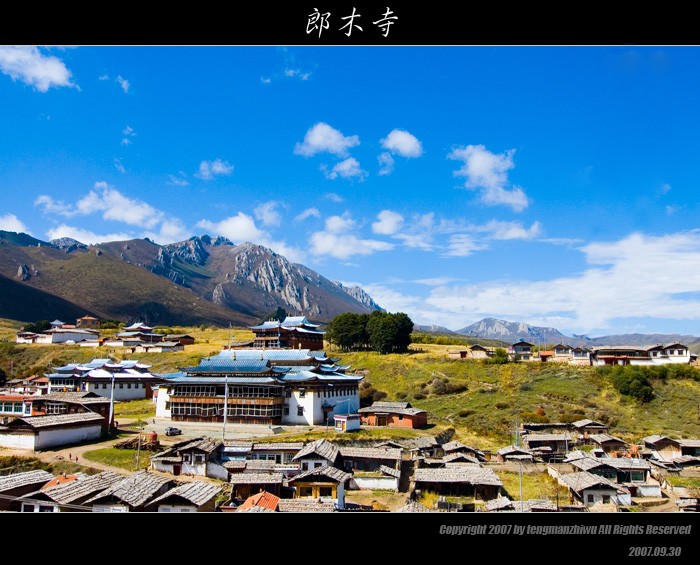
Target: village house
point(454, 447)
point(634, 474)
point(131, 494)
point(69, 496)
point(196, 496)
point(475, 351)
point(660, 354)
point(182, 339)
point(459, 480)
point(58, 335)
point(667, 449)
point(522, 351)
point(305, 505)
point(88, 323)
point(320, 453)
point(34, 385)
point(293, 332)
point(14, 406)
point(504, 504)
point(586, 427)
point(373, 468)
point(394, 414)
point(346, 422)
point(71, 403)
point(608, 443)
point(548, 446)
point(19, 484)
point(592, 489)
point(563, 353)
point(159, 347)
point(131, 380)
point(325, 483)
point(191, 457)
point(515, 453)
point(244, 485)
point(37, 433)
point(261, 389)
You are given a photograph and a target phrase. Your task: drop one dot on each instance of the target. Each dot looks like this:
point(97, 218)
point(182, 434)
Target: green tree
point(404, 327)
point(280, 314)
point(348, 330)
point(382, 330)
point(38, 327)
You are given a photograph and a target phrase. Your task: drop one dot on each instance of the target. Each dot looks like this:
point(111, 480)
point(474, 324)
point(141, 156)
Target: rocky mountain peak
point(359, 294)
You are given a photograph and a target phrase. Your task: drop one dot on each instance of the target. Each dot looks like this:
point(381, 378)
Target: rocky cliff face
point(359, 294)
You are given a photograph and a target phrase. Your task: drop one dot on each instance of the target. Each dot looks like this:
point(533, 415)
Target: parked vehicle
point(173, 431)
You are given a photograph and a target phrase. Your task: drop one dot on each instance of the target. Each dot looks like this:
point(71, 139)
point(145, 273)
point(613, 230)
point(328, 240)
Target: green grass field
point(123, 458)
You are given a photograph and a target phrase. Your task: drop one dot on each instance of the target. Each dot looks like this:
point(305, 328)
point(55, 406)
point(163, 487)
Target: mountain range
point(201, 280)
point(511, 332)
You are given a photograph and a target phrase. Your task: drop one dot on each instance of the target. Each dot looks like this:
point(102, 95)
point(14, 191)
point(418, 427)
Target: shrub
point(418, 396)
point(501, 405)
point(401, 395)
point(465, 413)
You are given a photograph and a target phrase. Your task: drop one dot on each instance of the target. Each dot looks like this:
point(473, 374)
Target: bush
point(501, 405)
point(534, 418)
point(401, 395)
point(418, 396)
point(465, 413)
point(500, 357)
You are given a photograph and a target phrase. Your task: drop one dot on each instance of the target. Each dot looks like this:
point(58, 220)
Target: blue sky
point(550, 185)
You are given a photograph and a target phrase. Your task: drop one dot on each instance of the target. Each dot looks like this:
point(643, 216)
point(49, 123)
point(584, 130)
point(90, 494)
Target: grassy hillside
point(481, 401)
point(495, 395)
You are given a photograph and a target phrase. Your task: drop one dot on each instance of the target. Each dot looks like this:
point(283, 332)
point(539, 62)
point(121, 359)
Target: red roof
point(12, 397)
point(263, 499)
point(61, 479)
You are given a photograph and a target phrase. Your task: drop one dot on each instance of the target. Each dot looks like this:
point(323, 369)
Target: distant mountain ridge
point(513, 331)
point(201, 280)
point(359, 294)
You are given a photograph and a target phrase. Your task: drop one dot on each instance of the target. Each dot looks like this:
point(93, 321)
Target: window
point(128, 385)
point(590, 498)
point(637, 476)
point(121, 385)
point(167, 405)
point(285, 410)
point(400, 416)
point(104, 386)
point(317, 465)
point(606, 499)
point(300, 410)
point(306, 491)
point(288, 393)
point(302, 392)
point(304, 466)
point(325, 491)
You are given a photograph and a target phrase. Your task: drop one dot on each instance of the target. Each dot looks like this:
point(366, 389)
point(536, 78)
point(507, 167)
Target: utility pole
point(138, 448)
point(111, 405)
point(223, 431)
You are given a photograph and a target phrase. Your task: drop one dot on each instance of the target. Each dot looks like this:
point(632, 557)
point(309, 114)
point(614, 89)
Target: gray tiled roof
point(134, 490)
point(325, 471)
point(465, 473)
point(282, 445)
point(66, 493)
point(602, 438)
point(305, 505)
point(371, 452)
point(459, 457)
point(17, 480)
point(196, 492)
point(578, 482)
point(689, 442)
point(393, 407)
point(546, 437)
point(322, 447)
point(61, 420)
point(256, 478)
point(586, 422)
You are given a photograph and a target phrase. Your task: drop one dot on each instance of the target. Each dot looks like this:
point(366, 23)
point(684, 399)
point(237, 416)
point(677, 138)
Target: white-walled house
point(37, 433)
point(660, 354)
point(257, 386)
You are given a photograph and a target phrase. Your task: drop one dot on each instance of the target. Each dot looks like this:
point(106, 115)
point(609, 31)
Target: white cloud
point(296, 73)
point(342, 246)
point(10, 222)
point(333, 197)
point(126, 141)
point(488, 172)
point(402, 143)
point(510, 230)
point(308, 213)
point(123, 83)
point(113, 204)
point(386, 163)
point(128, 130)
point(665, 188)
point(339, 240)
point(34, 68)
point(462, 245)
point(267, 213)
point(210, 169)
point(171, 230)
point(85, 236)
point(388, 222)
point(640, 275)
point(103, 77)
point(241, 228)
point(119, 166)
point(178, 180)
point(322, 138)
point(435, 281)
point(347, 169)
point(265, 80)
point(670, 210)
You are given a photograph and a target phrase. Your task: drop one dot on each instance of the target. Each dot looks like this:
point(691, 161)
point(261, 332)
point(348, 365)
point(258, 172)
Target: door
point(381, 420)
point(177, 467)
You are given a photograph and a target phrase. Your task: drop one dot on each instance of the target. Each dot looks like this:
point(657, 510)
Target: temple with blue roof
point(260, 386)
point(293, 332)
point(131, 379)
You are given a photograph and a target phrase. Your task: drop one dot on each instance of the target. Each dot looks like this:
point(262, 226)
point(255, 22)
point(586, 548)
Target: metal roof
point(371, 453)
point(218, 365)
point(58, 420)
